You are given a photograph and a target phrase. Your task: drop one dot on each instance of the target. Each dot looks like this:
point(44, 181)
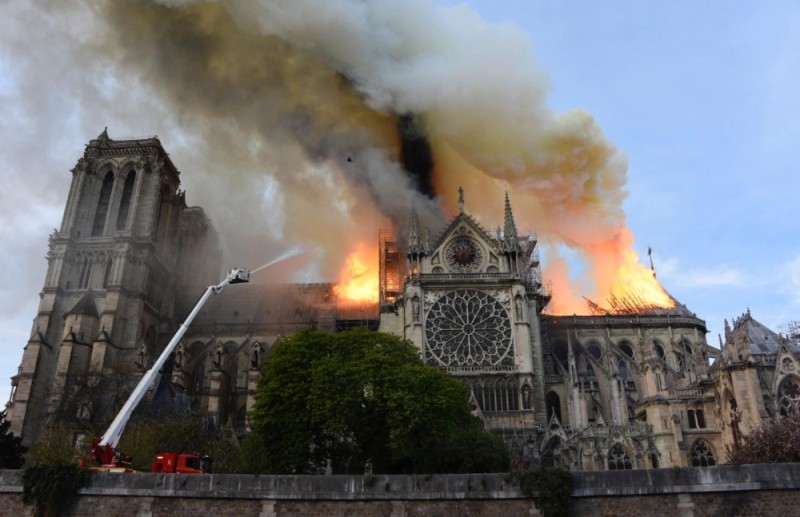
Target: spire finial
point(413, 231)
point(652, 266)
point(460, 200)
point(510, 228)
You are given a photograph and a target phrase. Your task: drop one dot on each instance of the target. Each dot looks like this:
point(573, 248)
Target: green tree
point(361, 399)
point(12, 452)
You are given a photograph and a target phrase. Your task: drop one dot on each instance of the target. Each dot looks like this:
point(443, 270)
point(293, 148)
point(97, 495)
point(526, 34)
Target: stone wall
point(755, 490)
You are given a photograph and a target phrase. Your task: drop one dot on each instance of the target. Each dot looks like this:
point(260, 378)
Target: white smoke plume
point(292, 111)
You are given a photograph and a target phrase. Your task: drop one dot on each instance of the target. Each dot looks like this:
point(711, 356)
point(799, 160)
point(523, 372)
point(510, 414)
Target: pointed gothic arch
point(627, 349)
point(551, 452)
point(789, 395)
point(618, 458)
point(101, 212)
point(658, 348)
point(702, 454)
point(125, 201)
point(553, 404)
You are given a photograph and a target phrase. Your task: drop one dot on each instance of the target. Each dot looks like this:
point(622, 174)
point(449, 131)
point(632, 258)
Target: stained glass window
point(468, 328)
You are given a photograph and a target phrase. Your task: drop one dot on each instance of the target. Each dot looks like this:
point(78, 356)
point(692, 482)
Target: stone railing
point(626, 321)
point(459, 277)
point(686, 392)
point(479, 369)
point(595, 429)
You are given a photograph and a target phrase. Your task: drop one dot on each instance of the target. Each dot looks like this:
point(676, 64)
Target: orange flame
point(622, 282)
point(635, 281)
point(358, 280)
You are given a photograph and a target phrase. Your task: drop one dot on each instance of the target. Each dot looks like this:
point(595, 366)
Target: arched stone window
point(551, 452)
point(659, 349)
point(680, 361)
point(553, 404)
point(125, 202)
point(626, 349)
point(618, 459)
point(560, 353)
point(595, 350)
point(789, 395)
point(107, 273)
point(102, 205)
point(623, 370)
point(198, 377)
point(86, 273)
point(702, 455)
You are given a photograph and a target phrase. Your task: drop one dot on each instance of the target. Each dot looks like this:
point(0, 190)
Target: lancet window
point(789, 396)
point(125, 202)
point(102, 205)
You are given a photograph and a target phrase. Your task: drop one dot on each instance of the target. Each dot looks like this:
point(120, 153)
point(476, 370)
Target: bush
point(552, 488)
point(51, 488)
point(772, 442)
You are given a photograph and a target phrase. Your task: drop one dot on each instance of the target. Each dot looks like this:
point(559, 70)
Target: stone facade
point(599, 392)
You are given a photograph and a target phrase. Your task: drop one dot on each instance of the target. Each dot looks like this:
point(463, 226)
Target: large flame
point(358, 281)
point(622, 284)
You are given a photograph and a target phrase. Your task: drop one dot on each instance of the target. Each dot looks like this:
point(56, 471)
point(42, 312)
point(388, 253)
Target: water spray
point(294, 252)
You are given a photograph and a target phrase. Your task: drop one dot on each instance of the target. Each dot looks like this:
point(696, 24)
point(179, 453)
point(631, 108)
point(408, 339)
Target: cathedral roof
point(462, 217)
point(761, 339)
point(265, 304)
point(748, 332)
point(84, 307)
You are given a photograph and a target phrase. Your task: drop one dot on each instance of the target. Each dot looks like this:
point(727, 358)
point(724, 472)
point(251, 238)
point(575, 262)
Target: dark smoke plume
point(415, 154)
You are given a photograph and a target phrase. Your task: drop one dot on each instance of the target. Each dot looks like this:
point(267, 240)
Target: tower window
point(102, 206)
point(86, 274)
point(125, 202)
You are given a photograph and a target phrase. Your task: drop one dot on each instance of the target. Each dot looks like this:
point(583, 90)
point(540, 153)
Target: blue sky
point(701, 97)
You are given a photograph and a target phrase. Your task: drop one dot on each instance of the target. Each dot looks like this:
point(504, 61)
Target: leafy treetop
point(361, 400)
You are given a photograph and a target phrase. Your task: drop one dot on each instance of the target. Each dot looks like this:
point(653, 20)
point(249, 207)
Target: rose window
point(463, 255)
point(468, 328)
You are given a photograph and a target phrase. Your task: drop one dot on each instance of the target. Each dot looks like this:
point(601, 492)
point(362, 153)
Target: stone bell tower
point(114, 268)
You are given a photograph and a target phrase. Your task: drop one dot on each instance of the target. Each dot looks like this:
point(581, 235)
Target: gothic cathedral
point(621, 390)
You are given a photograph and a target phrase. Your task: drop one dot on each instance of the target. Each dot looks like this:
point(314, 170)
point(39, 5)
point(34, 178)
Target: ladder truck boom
point(109, 441)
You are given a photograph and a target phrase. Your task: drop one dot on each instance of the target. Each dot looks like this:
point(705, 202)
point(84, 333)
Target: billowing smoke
point(324, 121)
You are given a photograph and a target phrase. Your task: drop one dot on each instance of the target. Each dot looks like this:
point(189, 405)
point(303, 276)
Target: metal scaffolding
point(391, 268)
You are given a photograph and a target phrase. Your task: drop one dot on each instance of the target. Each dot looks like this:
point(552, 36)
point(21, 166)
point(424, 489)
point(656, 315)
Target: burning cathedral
point(631, 385)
